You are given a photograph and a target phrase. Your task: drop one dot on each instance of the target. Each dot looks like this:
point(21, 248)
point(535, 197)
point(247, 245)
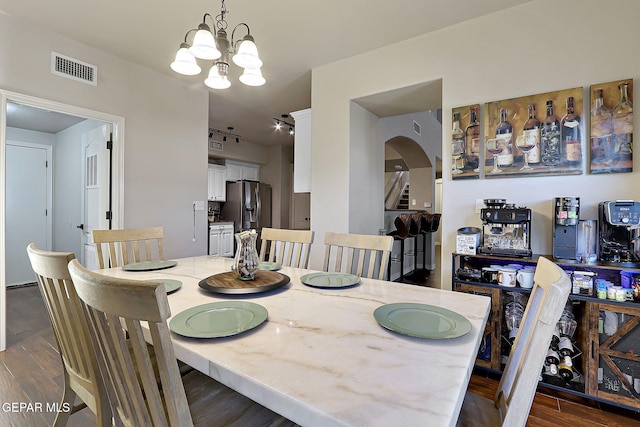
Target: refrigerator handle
point(258, 207)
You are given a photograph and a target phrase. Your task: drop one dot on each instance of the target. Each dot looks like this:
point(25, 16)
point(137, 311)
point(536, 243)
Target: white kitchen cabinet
point(237, 171)
point(221, 239)
point(217, 183)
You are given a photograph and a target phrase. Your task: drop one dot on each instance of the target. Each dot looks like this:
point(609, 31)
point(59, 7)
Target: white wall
point(366, 189)
point(538, 47)
point(166, 122)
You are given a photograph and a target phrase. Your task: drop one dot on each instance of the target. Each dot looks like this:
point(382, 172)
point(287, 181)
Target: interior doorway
point(68, 190)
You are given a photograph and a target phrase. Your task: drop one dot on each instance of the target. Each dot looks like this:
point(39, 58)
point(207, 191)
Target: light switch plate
point(198, 205)
point(479, 205)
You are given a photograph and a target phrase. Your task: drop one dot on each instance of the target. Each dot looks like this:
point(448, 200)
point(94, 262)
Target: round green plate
point(330, 280)
point(270, 266)
point(149, 265)
point(218, 319)
point(422, 320)
point(170, 285)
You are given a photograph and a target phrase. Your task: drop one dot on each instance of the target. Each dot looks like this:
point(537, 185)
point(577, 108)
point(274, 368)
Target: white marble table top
point(321, 359)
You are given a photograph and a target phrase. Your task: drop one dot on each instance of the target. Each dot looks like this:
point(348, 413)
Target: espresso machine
point(619, 233)
point(565, 228)
point(506, 229)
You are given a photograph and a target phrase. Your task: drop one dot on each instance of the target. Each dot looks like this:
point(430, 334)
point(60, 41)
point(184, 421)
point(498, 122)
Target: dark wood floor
point(31, 372)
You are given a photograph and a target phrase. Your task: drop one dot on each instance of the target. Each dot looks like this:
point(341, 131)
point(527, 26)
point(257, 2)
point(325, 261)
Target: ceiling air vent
point(73, 69)
point(416, 127)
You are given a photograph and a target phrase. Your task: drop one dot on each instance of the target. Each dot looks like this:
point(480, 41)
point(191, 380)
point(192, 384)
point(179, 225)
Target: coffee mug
point(507, 277)
point(525, 278)
point(489, 275)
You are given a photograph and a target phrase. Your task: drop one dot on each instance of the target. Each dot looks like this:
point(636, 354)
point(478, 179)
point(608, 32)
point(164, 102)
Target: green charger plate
point(422, 320)
point(330, 280)
point(269, 266)
point(149, 265)
point(171, 285)
point(218, 319)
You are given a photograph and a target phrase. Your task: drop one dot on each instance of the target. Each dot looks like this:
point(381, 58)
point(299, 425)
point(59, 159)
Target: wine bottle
point(552, 360)
point(571, 135)
point(601, 129)
point(550, 138)
point(623, 124)
point(472, 139)
point(457, 145)
point(504, 130)
point(565, 347)
point(555, 338)
point(531, 131)
point(565, 369)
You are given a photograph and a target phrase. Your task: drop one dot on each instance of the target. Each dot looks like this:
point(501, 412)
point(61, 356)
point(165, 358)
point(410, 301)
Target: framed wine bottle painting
point(534, 135)
point(465, 142)
point(611, 143)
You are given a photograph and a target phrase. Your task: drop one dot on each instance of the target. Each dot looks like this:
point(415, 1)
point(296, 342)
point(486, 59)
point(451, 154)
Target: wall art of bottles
point(465, 142)
point(611, 142)
point(534, 135)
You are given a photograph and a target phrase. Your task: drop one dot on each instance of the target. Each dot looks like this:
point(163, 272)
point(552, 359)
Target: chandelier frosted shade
point(185, 63)
point(252, 77)
point(204, 44)
point(247, 55)
point(216, 79)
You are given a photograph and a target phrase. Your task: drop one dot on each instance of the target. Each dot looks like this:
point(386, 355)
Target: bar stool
point(400, 233)
point(423, 219)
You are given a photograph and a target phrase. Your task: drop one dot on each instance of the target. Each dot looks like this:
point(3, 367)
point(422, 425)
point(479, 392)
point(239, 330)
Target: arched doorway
point(409, 188)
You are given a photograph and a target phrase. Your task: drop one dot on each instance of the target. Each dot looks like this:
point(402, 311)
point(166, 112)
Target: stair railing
point(395, 189)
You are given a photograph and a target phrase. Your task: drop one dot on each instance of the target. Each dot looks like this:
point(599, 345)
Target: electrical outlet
point(413, 202)
point(479, 205)
point(198, 205)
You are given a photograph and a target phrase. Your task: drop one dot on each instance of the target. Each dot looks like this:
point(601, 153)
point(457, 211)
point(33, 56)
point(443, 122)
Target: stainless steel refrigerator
point(248, 205)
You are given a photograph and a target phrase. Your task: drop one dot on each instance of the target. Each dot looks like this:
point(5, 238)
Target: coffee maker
point(506, 229)
point(619, 233)
point(565, 227)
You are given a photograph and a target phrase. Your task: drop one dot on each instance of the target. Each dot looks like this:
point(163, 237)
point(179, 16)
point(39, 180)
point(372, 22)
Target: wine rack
point(606, 356)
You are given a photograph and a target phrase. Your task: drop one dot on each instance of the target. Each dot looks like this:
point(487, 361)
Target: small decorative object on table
point(246, 261)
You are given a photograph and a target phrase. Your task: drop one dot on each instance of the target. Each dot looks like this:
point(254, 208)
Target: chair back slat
point(367, 255)
point(520, 378)
point(136, 396)
point(128, 246)
point(81, 371)
point(289, 248)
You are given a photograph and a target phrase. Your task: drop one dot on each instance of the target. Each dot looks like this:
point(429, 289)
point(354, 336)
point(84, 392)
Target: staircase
point(403, 203)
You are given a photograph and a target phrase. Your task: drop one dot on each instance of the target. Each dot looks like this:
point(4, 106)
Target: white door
point(95, 203)
point(28, 208)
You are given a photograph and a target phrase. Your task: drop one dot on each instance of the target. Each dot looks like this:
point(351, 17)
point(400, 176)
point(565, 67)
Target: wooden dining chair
point(115, 248)
point(366, 255)
point(517, 387)
point(137, 399)
point(81, 374)
point(289, 248)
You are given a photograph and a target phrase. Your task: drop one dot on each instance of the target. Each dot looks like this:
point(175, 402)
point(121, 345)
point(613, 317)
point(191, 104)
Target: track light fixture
point(283, 122)
point(225, 133)
point(215, 46)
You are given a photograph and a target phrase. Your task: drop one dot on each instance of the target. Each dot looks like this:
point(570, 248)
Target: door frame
point(118, 173)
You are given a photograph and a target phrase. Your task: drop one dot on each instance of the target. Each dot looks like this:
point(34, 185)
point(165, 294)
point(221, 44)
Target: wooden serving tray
point(229, 283)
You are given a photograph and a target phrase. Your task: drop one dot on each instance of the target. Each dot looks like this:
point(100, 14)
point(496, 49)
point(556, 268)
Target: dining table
point(330, 355)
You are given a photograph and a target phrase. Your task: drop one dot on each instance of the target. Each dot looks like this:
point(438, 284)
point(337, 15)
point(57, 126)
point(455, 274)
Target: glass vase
point(246, 261)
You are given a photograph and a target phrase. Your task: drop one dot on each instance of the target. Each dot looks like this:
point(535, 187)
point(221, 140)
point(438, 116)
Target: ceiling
point(292, 36)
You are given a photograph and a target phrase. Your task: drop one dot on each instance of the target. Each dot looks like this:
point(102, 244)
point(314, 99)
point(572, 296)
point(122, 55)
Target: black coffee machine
point(565, 227)
point(506, 229)
point(619, 233)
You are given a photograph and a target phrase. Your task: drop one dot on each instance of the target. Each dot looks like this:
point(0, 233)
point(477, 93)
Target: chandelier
point(216, 47)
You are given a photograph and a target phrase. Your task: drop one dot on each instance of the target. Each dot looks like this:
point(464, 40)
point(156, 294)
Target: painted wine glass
point(525, 145)
point(495, 147)
point(457, 150)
